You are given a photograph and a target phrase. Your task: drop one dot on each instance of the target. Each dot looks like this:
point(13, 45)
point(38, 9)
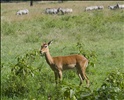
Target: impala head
point(44, 47)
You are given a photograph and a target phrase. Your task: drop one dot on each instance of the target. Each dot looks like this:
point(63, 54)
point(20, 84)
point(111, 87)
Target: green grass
point(98, 31)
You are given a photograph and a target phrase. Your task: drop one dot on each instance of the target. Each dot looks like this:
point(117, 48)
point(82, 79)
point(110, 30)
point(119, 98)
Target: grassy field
point(96, 34)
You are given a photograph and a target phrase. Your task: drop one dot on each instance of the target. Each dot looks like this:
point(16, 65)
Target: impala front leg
point(56, 77)
point(60, 75)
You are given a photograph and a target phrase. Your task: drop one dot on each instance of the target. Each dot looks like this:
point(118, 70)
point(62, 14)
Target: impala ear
point(50, 42)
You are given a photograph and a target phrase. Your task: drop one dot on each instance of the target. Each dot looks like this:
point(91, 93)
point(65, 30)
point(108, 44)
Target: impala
point(60, 63)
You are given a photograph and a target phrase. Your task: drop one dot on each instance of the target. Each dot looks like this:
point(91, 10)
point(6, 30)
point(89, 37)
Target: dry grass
point(8, 10)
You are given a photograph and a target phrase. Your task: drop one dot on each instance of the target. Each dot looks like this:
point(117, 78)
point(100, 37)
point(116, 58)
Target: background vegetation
point(96, 34)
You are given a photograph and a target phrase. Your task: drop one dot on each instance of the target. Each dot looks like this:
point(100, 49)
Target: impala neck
point(49, 58)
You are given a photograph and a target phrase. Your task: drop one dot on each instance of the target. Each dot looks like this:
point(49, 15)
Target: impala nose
point(40, 52)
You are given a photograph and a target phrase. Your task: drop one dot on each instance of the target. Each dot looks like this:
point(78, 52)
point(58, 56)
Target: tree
point(60, 0)
point(31, 3)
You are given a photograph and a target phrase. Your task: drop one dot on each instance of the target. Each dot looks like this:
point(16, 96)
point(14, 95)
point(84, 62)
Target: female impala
point(60, 63)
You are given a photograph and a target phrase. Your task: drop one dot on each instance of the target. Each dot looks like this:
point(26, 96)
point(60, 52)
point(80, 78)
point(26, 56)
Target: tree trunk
point(60, 1)
point(31, 3)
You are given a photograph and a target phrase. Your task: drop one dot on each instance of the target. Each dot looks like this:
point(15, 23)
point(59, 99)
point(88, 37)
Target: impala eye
point(45, 46)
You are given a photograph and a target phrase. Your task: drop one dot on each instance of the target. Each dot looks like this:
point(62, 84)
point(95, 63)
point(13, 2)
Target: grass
point(98, 31)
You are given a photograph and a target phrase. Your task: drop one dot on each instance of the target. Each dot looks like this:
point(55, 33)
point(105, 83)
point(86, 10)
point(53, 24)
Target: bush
point(113, 87)
point(30, 82)
point(16, 84)
point(90, 55)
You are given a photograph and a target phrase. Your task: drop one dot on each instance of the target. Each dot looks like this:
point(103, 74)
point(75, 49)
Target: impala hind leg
point(81, 78)
point(83, 66)
point(85, 76)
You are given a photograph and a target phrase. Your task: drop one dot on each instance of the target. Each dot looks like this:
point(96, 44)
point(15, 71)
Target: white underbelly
point(69, 66)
